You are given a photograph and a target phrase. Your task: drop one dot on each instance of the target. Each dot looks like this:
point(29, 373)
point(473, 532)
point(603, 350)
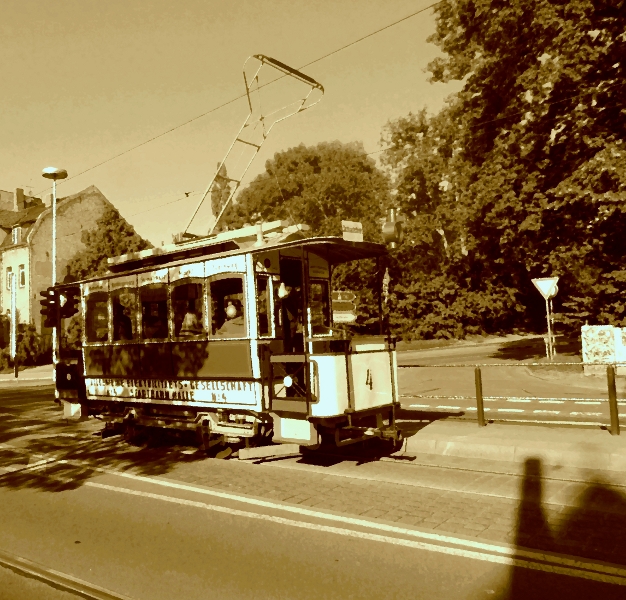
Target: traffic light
point(69, 300)
point(50, 307)
point(392, 229)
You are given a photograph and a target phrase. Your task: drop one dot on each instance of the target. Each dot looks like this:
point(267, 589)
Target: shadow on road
point(593, 530)
point(535, 348)
point(34, 428)
point(37, 430)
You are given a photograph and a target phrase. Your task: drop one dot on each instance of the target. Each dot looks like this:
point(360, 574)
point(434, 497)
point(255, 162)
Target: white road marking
point(518, 557)
point(551, 401)
point(472, 408)
point(515, 410)
point(547, 412)
point(517, 400)
point(420, 406)
point(587, 402)
point(585, 414)
point(450, 407)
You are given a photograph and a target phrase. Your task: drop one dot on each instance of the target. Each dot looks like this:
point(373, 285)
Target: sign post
point(352, 231)
point(548, 289)
point(344, 309)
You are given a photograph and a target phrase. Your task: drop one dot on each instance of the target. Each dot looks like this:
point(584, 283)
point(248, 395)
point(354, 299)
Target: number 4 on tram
point(232, 336)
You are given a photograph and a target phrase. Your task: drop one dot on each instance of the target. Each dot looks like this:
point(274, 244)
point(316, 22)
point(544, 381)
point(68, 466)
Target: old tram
point(232, 336)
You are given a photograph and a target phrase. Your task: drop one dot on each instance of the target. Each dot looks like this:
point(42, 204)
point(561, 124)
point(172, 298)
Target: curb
point(573, 455)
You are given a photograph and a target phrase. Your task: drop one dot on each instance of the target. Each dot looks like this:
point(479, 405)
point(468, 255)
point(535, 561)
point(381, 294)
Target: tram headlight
point(287, 381)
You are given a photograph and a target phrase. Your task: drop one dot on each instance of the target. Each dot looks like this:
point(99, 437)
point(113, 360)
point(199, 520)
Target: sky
point(83, 81)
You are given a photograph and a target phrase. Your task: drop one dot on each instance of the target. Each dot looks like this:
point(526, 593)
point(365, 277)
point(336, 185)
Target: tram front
point(321, 384)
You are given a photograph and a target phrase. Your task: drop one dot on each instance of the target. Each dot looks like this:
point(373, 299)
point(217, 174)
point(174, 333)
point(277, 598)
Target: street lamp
point(54, 174)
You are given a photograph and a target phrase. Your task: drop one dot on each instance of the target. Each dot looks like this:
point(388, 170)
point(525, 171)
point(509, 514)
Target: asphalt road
point(134, 521)
point(151, 542)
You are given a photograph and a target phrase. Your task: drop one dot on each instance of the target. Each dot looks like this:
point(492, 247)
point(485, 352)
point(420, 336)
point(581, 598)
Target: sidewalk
point(32, 376)
point(558, 446)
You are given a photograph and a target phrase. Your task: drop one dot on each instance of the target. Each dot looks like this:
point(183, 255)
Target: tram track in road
point(56, 579)
point(197, 497)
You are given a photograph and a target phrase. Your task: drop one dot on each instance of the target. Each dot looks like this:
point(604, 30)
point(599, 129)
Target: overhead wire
point(179, 199)
point(241, 96)
point(232, 100)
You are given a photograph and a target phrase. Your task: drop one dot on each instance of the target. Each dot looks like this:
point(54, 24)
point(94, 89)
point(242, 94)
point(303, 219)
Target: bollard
point(480, 409)
point(610, 377)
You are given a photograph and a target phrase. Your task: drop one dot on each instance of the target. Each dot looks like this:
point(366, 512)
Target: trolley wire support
point(253, 132)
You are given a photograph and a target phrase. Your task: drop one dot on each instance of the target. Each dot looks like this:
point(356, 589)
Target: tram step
point(266, 451)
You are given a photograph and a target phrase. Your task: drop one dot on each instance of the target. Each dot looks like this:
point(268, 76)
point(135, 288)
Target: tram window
point(264, 305)
point(124, 308)
point(228, 307)
point(97, 317)
point(187, 309)
point(319, 303)
point(154, 311)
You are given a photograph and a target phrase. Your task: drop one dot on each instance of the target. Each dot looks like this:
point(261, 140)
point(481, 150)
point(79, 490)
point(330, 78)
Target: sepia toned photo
point(312, 300)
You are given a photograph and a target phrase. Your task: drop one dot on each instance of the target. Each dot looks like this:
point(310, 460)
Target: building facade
point(26, 244)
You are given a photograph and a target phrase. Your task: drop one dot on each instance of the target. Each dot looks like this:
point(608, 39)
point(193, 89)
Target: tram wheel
point(132, 433)
point(397, 443)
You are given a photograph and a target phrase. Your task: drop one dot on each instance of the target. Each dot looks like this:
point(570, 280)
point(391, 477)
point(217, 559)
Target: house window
point(16, 235)
point(9, 273)
point(22, 276)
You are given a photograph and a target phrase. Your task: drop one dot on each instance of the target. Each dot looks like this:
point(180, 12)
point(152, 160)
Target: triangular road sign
point(547, 286)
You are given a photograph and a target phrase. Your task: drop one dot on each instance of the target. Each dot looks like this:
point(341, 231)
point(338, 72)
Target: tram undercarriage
point(219, 429)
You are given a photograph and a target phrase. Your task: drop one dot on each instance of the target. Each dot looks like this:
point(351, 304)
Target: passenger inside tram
point(290, 305)
point(122, 325)
point(191, 321)
point(187, 309)
point(234, 325)
point(227, 307)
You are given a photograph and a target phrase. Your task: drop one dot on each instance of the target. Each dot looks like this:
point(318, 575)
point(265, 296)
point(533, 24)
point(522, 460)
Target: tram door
point(290, 298)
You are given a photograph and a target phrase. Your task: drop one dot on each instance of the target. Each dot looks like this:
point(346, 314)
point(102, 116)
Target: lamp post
point(54, 174)
point(13, 345)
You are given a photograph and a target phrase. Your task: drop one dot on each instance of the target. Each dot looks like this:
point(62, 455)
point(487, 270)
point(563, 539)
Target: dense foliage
point(521, 175)
point(111, 236)
point(320, 186)
point(30, 349)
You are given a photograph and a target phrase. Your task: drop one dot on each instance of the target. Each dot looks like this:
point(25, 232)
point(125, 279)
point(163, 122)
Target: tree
point(320, 186)
point(111, 236)
point(523, 173)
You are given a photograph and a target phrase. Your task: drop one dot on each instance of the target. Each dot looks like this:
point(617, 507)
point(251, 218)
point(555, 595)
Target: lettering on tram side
point(220, 392)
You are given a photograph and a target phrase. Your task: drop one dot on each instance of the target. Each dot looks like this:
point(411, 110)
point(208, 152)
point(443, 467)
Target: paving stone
point(474, 526)
point(375, 512)
point(408, 520)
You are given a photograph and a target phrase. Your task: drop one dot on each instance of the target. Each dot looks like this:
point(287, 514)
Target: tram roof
point(335, 250)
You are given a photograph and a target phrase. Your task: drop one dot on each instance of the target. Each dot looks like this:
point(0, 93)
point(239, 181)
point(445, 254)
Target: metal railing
point(614, 427)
